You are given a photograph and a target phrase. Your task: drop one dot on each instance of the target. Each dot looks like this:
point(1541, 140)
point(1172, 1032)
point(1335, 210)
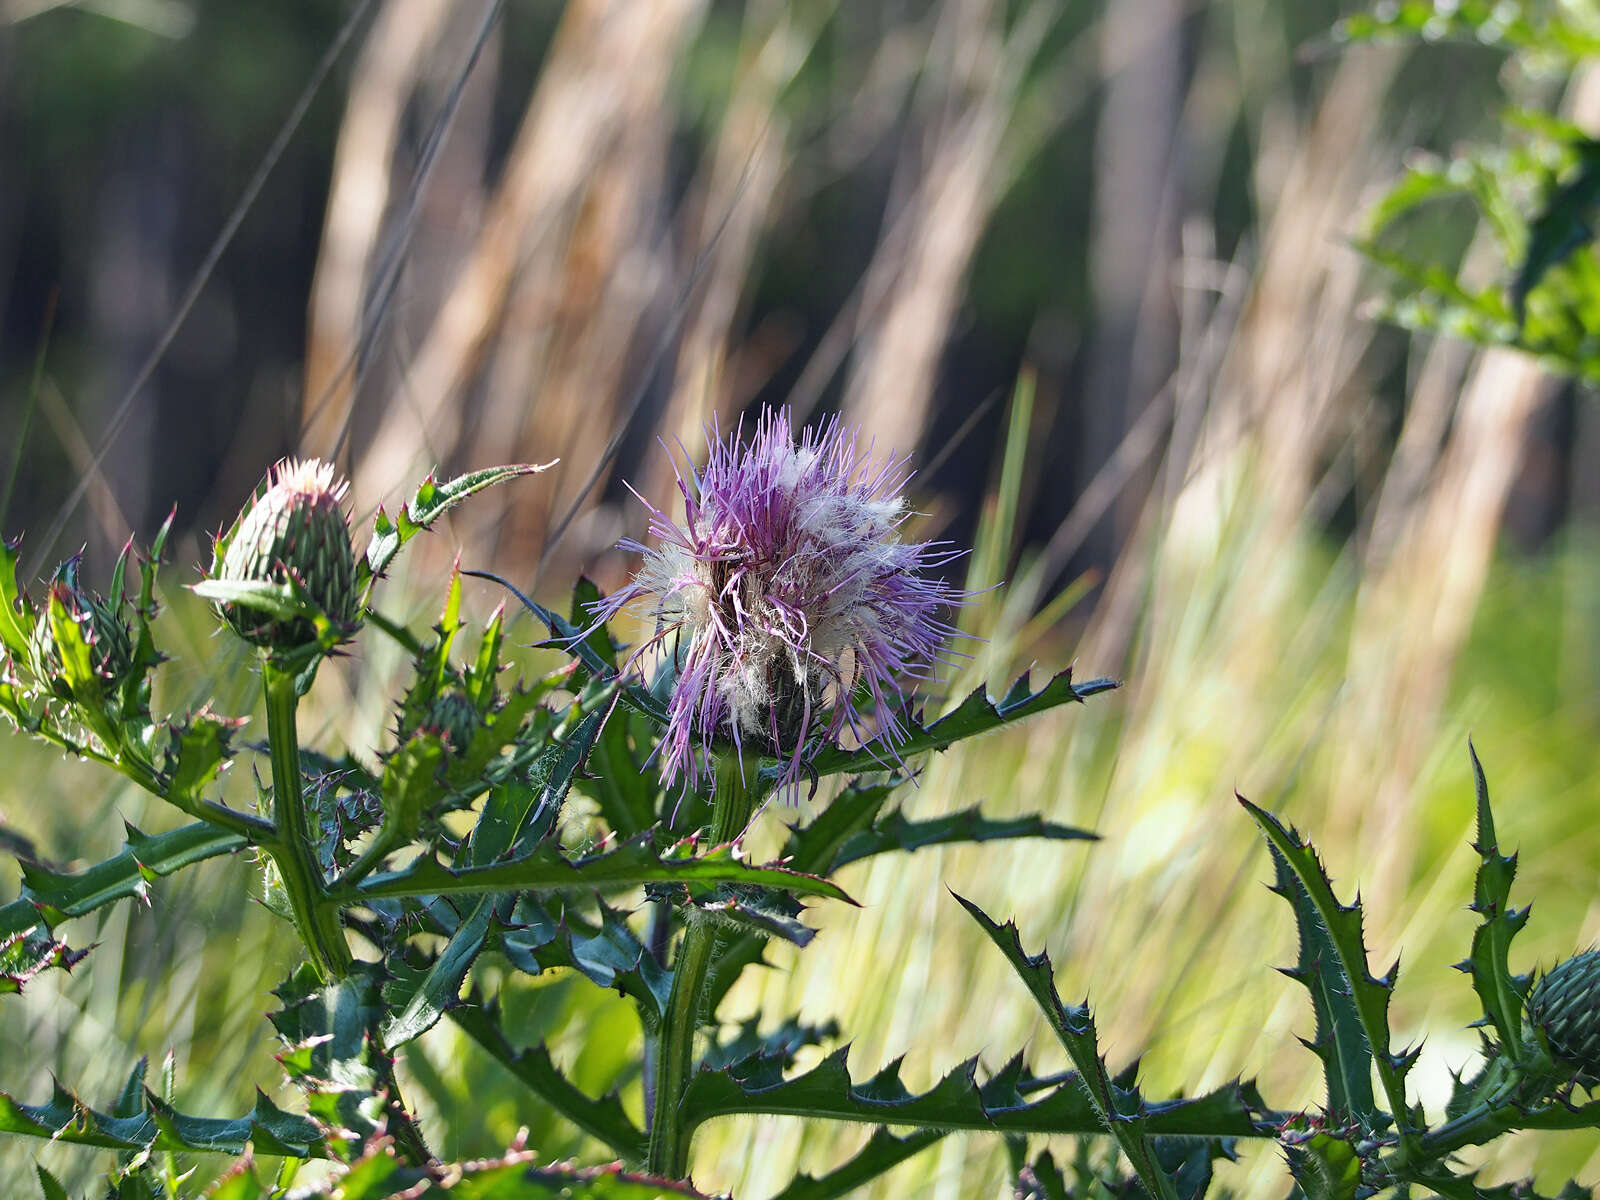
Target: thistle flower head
point(789, 598)
point(1565, 1005)
point(292, 530)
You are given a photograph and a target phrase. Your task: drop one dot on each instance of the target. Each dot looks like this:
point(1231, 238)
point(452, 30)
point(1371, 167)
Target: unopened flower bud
point(104, 631)
point(1565, 1006)
point(294, 530)
point(455, 719)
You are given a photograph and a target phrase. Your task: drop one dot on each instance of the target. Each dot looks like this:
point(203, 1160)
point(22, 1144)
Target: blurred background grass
point(1086, 260)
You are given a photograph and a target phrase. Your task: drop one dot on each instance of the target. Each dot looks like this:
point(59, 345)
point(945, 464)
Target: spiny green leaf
point(198, 749)
point(573, 639)
point(72, 648)
point(278, 600)
point(609, 954)
point(65, 1118)
point(29, 953)
point(431, 501)
point(552, 769)
point(485, 667)
point(1190, 1162)
point(508, 743)
point(440, 988)
point(13, 603)
point(1339, 1041)
point(958, 1101)
point(976, 715)
point(882, 1151)
point(814, 847)
point(1342, 925)
point(1121, 1110)
point(897, 832)
point(1502, 993)
point(625, 784)
point(379, 1175)
point(130, 1098)
point(55, 897)
point(764, 911)
point(411, 782)
point(50, 1185)
point(1466, 1187)
point(145, 611)
point(330, 1037)
point(1324, 1161)
point(602, 1118)
point(586, 599)
point(732, 960)
point(545, 869)
point(780, 1044)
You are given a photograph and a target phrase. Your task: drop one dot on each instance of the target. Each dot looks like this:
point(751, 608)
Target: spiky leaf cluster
point(102, 629)
point(75, 666)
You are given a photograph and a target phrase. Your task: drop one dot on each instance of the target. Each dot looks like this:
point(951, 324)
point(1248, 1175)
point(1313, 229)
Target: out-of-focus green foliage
point(1536, 192)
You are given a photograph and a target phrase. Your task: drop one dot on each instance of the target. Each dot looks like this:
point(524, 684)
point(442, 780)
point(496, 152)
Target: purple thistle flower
point(787, 595)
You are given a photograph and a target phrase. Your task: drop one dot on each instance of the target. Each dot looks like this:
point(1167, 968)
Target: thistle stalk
point(291, 851)
point(738, 790)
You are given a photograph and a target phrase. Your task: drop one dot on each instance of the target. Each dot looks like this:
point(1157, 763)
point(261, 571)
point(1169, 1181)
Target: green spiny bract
point(1565, 1006)
point(292, 533)
point(455, 718)
point(105, 632)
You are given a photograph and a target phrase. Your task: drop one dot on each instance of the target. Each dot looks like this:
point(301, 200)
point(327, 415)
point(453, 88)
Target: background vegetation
point(1320, 550)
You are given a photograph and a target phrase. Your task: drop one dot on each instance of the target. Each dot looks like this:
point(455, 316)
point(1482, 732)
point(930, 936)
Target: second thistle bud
point(1565, 1006)
point(103, 630)
point(455, 718)
point(293, 532)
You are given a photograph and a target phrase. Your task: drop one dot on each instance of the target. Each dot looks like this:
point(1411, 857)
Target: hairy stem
point(737, 791)
point(291, 850)
point(248, 826)
point(660, 930)
point(401, 1126)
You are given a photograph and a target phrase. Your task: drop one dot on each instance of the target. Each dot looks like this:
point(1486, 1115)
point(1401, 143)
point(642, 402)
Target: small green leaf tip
point(1565, 1006)
point(292, 536)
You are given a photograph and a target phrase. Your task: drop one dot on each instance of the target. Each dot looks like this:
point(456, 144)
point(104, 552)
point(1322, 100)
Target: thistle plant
point(591, 820)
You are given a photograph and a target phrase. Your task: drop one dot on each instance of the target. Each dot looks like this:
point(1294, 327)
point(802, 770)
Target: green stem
point(1502, 1100)
point(291, 850)
point(248, 826)
point(737, 790)
point(403, 1128)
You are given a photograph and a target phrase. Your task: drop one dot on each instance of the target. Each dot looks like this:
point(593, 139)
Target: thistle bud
point(107, 635)
point(1565, 1006)
point(294, 530)
point(455, 719)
